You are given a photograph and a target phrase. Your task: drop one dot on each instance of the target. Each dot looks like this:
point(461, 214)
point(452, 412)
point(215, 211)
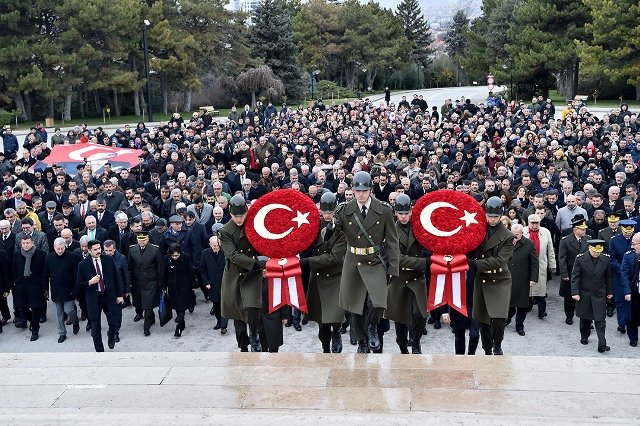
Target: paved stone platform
point(294, 388)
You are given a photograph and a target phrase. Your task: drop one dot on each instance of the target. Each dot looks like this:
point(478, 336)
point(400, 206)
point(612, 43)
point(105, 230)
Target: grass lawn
point(602, 103)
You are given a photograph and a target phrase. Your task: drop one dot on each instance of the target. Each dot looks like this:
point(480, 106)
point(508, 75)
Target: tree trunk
point(17, 98)
point(116, 105)
point(572, 79)
point(136, 103)
point(165, 97)
point(186, 105)
point(638, 92)
point(27, 105)
point(66, 116)
point(81, 98)
point(96, 100)
point(51, 112)
point(253, 100)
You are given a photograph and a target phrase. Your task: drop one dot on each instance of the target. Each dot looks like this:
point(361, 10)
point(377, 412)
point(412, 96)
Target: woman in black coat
point(179, 283)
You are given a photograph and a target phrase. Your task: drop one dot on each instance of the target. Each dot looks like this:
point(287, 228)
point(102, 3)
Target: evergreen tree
point(272, 40)
point(456, 36)
point(417, 31)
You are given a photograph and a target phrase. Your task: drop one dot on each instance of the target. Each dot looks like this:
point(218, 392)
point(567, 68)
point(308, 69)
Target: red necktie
point(101, 281)
point(82, 211)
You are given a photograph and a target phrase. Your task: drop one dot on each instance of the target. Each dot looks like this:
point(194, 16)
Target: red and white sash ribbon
point(284, 279)
point(448, 285)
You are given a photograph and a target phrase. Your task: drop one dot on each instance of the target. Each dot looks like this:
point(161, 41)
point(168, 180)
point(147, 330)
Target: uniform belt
point(362, 251)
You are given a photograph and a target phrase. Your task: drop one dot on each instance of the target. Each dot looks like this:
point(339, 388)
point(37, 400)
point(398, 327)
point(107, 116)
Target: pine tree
point(417, 30)
point(271, 39)
point(456, 36)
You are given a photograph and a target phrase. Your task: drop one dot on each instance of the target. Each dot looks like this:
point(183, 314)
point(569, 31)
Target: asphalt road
point(550, 336)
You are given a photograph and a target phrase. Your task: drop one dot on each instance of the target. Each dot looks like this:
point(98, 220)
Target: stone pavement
point(221, 388)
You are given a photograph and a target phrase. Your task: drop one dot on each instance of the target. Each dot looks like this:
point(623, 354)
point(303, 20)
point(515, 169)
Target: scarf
point(534, 236)
point(27, 263)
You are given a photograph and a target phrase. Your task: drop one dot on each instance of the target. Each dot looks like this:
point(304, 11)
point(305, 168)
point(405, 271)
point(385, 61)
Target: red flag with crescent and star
point(281, 225)
point(449, 224)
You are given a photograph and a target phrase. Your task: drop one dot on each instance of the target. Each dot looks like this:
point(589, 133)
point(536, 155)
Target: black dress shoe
point(403, 348)
point(211, 312)
point(437, 325)
point(336, 342)
point(569, 321)
point(34, 337)
point(622, 330)
point(521, 332)
point(216, 327)
point(62, 338)
point(147, 333)
point(602, 349)
point(362, 348)
point(111, 342)
point(191, 309)
point(297, 327)
point(21, 325)
point(137, 318)
point(178, 331)
point(305, 320)
point(584, 340)
point(254, 340)
point(117, 338)
point(542, 315)
point(497, 350)
point(223, 331)
point(372, 336)
point(416, 348)
point(634, 344)
point(76, 328)
point(431, 320)
point(353, 341)
point(68, 322)
point(5, 320)
point(126, 303)
point(508, 321)
point(88, 327)
point(288, 324)
point(244, 349)
point(609, 313)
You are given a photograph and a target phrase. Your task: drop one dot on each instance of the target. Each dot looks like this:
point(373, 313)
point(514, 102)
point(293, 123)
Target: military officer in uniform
point(325, 264)
point(591, 284)
point(492, 283)
point(243, 293)
point(407, 296)
point(146, 271)
point(570, 247)
point(618, 246)
point(613, 219)
point(372, 255)
point(630, 274)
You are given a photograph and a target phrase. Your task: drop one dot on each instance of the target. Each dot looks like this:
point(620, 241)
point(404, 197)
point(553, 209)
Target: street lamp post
point(146, 67)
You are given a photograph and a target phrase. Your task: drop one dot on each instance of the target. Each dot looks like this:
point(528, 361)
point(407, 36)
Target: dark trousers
point(325, 331)
point(541, 301)
point(585, 330)
point(149, 318)
point(520, 314)
point(180, 319)
point(254, 325)
point(632, 332)
point(405, 333)
point(82, 302)
point(33, 317)
point(296, 316)
point(569, 307)
point(113, 319)
point(370, 316)
point(222, 322)
point(492, 334)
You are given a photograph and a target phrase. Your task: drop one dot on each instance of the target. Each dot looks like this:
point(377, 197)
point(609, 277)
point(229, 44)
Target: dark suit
point(29, 294)
point(114, 234)
point(8, 246)
point(382, 194)
point(108, 218)
point(591, 280)
point(45, 223)
point(100, 234)
point(113, 201)
point(99, 302)
point(211, 270)
point(629, 276)
point(569, 249)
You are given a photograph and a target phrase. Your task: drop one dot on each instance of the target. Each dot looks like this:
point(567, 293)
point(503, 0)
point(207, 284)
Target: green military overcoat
point(146, 272)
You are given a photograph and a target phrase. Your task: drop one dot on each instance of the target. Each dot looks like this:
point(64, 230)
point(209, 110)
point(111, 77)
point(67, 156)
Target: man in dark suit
point(118, 231)
point(7, 244)
point(591, 285)
point(99, 278)
point(46, 217)
point(570, 247)
point(104, 216)
point(112, 198)
point(93, 231)
point(382, 189)
point(28, 270)
point(629, 274)
point(211, 269)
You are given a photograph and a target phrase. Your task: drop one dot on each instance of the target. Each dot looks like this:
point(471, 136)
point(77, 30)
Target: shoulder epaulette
point(566, 236)
point(155, 245)
point(580, 254)
point(604, 254)
point(384, 203)
point(630, 251)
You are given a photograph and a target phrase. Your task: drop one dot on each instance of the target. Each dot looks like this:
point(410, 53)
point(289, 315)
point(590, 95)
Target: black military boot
point(325, 347)
point(255, 342)
point(415, 348)
point(336, 341)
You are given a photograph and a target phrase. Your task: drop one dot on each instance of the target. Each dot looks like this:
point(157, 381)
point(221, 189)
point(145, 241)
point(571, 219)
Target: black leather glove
point(471, 262)
point(260, 264)
point(304, 261)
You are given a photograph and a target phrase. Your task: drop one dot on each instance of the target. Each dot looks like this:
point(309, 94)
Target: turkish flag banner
point(69, 156)
point(281, 225)
point(449, 224)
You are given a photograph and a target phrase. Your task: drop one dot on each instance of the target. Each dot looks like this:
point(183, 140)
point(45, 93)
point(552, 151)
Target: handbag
point(165, 313)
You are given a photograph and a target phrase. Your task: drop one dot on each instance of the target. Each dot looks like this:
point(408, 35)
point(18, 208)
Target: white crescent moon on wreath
point(425, 219)
point(261, 229)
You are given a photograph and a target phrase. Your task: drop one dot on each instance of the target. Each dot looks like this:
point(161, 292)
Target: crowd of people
point(560, 195)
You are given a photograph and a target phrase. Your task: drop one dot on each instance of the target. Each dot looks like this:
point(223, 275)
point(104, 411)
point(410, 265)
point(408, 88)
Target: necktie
point(99, 217)
point(82, 211)
point(364, 212)
point(101, 280)
point(50, 218)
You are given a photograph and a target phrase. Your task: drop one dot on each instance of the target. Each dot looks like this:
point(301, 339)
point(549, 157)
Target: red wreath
point(446, 220)
point(279, 221)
